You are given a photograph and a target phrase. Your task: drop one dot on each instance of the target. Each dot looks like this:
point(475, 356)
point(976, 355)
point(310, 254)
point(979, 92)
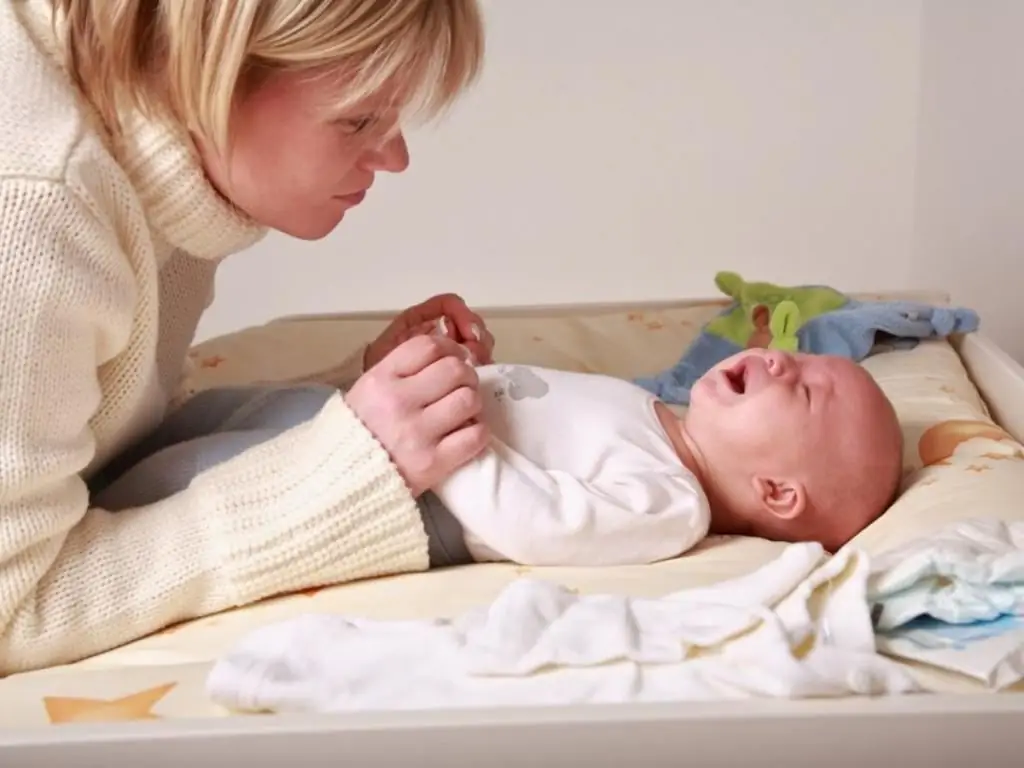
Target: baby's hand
point(440, 327)
point(446, 315)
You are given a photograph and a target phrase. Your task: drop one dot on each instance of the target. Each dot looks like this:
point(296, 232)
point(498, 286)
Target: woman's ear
point(783, 499)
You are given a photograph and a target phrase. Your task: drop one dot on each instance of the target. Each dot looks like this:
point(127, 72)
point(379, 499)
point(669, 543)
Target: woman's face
point(291, 168)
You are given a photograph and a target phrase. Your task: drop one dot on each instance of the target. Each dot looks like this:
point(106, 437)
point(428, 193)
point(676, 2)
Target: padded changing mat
point(956, 460)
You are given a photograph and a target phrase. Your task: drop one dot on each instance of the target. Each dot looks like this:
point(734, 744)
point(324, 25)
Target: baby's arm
point(536, 516)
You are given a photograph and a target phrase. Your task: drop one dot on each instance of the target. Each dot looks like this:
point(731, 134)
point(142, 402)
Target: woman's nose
point(392, 156)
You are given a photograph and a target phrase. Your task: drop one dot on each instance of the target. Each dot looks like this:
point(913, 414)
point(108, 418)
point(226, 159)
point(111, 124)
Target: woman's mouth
point(353, 199)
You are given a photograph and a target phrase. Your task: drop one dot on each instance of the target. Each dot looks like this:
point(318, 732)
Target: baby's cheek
point(745, 437)
point(775, 438)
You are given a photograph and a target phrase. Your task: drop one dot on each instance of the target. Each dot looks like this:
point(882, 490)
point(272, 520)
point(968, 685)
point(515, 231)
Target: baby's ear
point(783, 499)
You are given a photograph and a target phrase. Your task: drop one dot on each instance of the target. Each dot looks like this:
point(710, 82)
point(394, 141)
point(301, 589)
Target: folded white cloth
point(955, 600)
point(798, 627)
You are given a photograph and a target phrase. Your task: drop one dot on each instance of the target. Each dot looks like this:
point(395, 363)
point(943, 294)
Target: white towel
point(798, 627)
point(955, 600)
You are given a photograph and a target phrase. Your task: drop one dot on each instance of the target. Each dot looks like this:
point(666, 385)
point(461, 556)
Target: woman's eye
point(358, 125)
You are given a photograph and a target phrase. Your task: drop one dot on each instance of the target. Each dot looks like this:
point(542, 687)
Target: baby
point(590, 470)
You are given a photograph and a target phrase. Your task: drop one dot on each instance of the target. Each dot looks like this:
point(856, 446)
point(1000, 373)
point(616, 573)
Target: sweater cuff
point(320, 504)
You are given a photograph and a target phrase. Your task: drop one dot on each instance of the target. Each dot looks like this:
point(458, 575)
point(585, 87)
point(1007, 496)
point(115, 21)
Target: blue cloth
point(856, 328)
point(851, 331)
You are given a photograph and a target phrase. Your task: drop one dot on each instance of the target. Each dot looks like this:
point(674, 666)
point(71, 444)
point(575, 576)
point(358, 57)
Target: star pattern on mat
point(1016, 455)
point(979, 468)
point(135, 706)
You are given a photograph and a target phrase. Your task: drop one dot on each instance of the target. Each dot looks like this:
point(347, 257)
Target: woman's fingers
point(469, 326)
point(451, 412)
point(468, 323)
point(476, 337)
point(445, 315)
point(422, 403)
point(441, 378)
point(462, 446)
point(433, 308)
point(481, 355)
point(415, 354)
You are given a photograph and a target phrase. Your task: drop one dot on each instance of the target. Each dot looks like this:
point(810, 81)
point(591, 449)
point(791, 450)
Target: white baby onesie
point(580, 473)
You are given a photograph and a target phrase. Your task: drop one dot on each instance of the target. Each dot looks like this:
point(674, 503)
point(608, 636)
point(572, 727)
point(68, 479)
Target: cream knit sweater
point(107, 259)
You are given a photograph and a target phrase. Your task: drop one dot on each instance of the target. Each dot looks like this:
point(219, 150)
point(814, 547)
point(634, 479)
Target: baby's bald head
point(795, 447)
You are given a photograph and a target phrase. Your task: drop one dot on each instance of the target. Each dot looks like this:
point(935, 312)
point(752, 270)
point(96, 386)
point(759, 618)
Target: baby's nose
point(779, 363)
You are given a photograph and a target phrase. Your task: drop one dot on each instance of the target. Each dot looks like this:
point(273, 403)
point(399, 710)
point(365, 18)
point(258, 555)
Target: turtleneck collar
point(180, 202)
point(163, 165)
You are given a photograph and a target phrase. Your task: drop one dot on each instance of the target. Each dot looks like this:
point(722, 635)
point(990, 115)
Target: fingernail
point(477, 333)
point(442, 325)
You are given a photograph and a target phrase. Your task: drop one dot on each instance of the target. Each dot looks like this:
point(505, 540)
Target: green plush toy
point(768, 315)
point(784, 324)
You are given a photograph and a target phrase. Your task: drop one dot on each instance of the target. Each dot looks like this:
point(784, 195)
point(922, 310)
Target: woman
point(143, 142)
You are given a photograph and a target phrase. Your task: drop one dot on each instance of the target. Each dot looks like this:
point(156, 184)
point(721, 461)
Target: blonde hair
point(187, 60)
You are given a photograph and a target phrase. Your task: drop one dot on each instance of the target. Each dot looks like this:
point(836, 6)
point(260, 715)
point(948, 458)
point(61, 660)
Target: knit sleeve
point(320, 504)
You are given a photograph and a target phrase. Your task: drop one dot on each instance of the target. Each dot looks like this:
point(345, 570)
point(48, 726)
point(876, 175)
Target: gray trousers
point(218, 424)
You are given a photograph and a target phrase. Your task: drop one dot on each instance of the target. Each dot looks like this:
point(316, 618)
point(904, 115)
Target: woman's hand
point(460, 324)
point(421, 403)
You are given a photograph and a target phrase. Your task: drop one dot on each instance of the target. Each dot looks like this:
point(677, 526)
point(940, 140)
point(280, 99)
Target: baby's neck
point(681, 441)
point(723, 521)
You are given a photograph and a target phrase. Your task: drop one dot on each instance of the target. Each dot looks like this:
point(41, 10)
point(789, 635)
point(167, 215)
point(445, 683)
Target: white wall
point(612, 154)
point(970, 186)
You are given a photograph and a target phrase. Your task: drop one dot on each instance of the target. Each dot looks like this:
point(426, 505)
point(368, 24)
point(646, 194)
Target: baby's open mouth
point(736, 377)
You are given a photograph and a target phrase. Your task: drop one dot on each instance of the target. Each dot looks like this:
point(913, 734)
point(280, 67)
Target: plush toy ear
point(784, 499)
point(729, 283)
point(784, 325)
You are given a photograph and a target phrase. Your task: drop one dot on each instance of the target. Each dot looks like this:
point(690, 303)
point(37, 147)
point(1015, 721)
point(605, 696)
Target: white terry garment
point(580, 472)
point(954, 599)
point(798, 627)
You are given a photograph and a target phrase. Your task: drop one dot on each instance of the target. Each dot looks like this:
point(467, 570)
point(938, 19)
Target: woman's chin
point(313, 228)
